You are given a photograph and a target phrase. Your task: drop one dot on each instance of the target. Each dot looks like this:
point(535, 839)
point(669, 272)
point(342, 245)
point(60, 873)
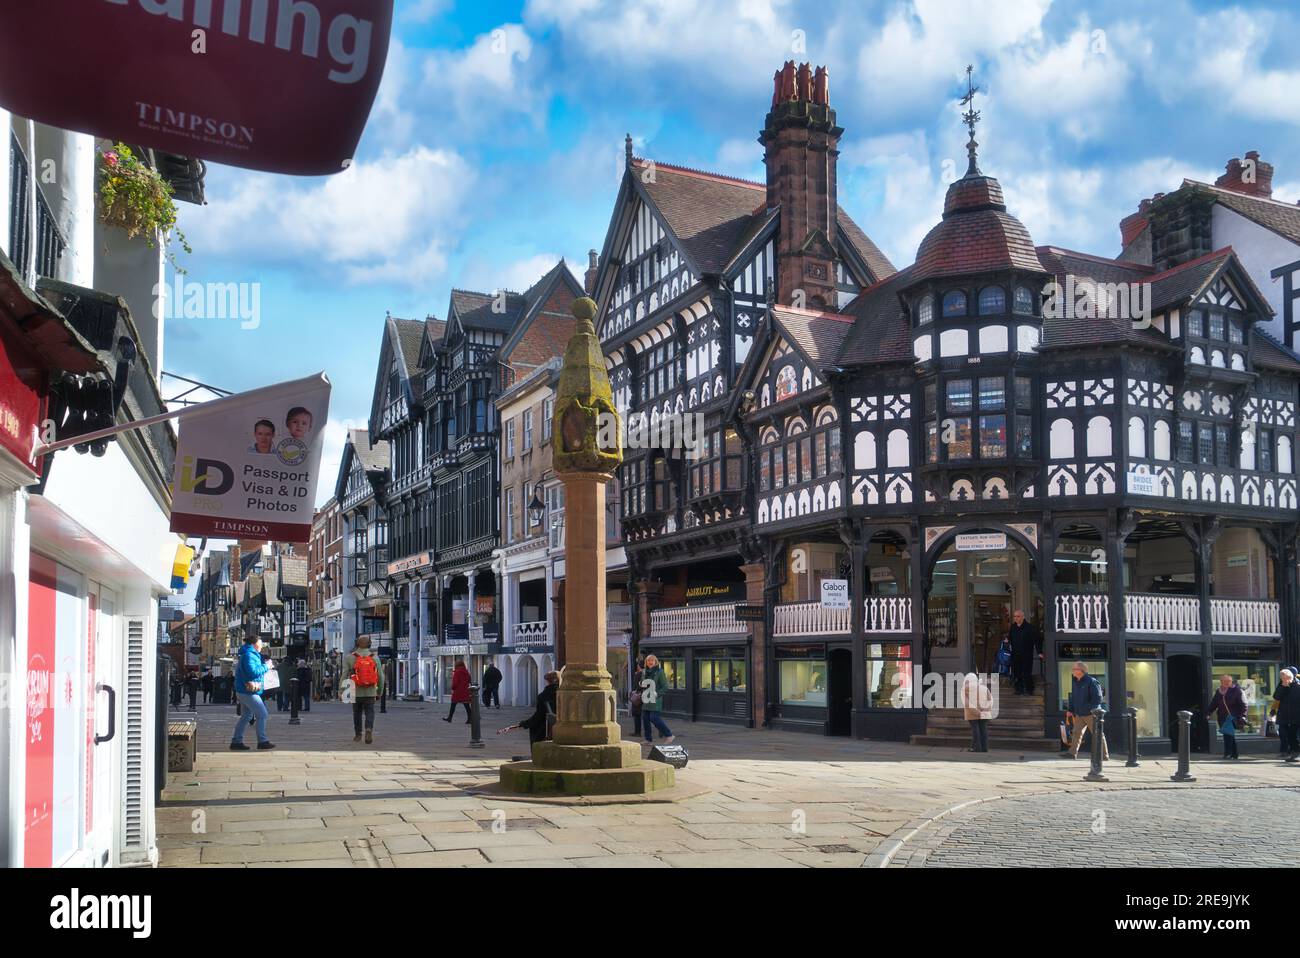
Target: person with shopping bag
point(1229, 705)
point(250, 671)
point(364, 685)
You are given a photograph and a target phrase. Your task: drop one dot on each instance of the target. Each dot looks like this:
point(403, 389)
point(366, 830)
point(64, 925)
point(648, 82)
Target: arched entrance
point(975, 583)
point(526, 679)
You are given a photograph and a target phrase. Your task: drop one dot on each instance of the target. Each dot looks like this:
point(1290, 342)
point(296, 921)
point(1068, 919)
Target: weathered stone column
point(587, 754)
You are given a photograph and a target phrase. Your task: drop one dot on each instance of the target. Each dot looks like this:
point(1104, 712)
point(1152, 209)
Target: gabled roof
point(374, 459)
point(881, 330)
point(293, 577)
point(473, 310)
point(1267, 351)
point(271, 590)
point(713, 217)
point(536, 297)
point(1280, 217)
point(817, 335)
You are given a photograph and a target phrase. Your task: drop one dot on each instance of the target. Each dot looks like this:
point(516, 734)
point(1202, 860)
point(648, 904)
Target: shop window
point(1144, 684)
point(1096, 668)
point(674, 672)
point(889, 676)
point(803, 682)
point(1257, 681)
point(720, 675)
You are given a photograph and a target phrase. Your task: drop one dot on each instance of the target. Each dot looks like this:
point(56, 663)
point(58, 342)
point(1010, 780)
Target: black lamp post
point(536, 508)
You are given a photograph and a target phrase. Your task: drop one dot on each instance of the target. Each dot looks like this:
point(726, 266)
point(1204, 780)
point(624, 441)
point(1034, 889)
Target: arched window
point(925, 310)
point(993, 301)
point(1024, 301)
point(954, 303)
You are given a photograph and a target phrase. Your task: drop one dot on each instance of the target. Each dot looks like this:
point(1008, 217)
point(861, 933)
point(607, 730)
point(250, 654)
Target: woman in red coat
point(459, 690)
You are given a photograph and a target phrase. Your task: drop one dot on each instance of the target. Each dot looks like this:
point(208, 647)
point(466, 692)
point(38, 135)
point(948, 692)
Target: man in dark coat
point(1287, 697)
point(206, 683)
point(304, 686)
point(492, 686)
point(537, 722)
point(1026, 650)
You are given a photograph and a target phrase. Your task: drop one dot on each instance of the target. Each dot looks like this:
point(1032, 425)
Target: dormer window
point(1216, 325)
point(954, 304)
point(925, 310)
point(993, 301)
point(1024, 301)
point(1196, 323)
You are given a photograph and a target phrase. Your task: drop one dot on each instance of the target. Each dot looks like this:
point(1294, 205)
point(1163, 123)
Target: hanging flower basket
point(135, 199)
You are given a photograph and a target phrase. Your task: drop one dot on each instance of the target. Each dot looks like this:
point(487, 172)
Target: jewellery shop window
point(802, 673)
point(889, 675)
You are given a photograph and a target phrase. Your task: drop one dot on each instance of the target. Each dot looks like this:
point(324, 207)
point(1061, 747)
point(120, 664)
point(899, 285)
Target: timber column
point(587, 755)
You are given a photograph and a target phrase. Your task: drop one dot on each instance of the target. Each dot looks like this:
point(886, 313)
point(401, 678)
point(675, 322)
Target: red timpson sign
point(284, 86)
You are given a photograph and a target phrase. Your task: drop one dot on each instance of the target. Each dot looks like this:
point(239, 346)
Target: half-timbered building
point(1104, 443)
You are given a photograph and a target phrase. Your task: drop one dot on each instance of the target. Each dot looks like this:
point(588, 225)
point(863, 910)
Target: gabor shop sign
point(284, 86)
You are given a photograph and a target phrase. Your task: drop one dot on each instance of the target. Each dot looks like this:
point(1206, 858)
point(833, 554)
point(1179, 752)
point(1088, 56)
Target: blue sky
point(496, 145)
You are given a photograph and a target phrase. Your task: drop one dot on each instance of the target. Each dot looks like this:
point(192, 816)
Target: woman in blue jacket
point(248, 686)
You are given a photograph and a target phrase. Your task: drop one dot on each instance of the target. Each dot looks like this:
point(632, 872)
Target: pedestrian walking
point(304, 686)
point(542, 711)
point(653, 685)
point(1229, 706)
point(459, 690)
point(634, 699)
point(206, 684)
point(192, 690)
point(1026, 651)
point(1287, 708)
point(249, 670)
point(977, 703)
point(367, 684)
point(492, 685)
point(1085, 695)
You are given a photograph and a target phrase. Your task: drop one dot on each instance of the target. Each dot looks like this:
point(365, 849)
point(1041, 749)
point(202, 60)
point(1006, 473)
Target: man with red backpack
point(368, 683)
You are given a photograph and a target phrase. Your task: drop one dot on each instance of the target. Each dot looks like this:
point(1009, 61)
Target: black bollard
point(475, 730)
point(293, 702)
point(383, 700)
point(1184, 773)
point(1132, 739)
point(1098, 731)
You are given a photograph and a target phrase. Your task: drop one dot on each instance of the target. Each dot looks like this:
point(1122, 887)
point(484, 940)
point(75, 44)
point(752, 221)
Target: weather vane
point(971, 117)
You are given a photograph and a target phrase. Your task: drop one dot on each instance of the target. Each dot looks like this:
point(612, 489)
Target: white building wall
point(1261, 251)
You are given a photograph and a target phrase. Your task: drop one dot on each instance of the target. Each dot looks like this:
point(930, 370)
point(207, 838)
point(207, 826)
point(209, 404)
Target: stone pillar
point(755, 584)
point(646, 596)
point(586, 755)
point(587, 705)
point(557, 622)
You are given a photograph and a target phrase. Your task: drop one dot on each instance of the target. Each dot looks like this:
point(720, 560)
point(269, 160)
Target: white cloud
point(731, 42)
point(489, 78)
point(487, 276)
point(386, 220)
point(421, 11)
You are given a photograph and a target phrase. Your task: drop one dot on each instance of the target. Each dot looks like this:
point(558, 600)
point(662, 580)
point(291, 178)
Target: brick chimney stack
point(589, 280)
point(1251, 176)
point(801, 139)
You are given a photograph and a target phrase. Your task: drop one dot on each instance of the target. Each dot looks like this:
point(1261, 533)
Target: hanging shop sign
point(275, 86)
point(22, 398)
point(981, 541)
point(247, 466)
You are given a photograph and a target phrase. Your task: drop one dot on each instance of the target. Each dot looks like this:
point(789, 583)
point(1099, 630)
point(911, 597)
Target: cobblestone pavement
point(760, 798)
point(1185, 827)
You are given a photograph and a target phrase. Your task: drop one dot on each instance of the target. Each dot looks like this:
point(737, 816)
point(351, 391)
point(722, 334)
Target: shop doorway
point(972, 595)
point(1187, 693)
point(839, 698)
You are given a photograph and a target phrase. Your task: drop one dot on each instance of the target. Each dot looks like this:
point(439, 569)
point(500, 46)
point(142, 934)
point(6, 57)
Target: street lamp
point(536, 508)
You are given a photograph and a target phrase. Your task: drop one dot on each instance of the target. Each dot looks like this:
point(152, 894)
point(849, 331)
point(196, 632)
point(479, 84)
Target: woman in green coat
point(653, 685)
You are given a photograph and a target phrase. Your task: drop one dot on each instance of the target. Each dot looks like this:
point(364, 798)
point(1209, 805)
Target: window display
point(1144, 684)
point(1096, 668)
point(889, 676)
point(1257, 681)
point(803, 682)
point(720, 675)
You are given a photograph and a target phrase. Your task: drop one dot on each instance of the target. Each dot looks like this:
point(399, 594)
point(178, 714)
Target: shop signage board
point(22, 399)
point(1081, 650)
point(247, 466)
point(410, 563)
point(274, 86)
point(835, 593)
point(749, 613)
point(704, 592)
point(1146, 651)
point(981, 541)
point(882, 574)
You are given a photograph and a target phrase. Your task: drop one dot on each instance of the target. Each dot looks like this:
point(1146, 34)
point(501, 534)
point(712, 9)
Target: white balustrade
point(1245, 617)
point(531, 633)
point(1083, 612)
point(1171, 614)
point(697, 620)
point(880, 613)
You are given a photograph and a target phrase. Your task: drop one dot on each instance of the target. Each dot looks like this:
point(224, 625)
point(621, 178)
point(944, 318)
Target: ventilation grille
point(134, 744)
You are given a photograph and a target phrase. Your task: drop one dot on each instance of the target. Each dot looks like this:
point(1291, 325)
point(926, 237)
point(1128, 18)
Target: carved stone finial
point(627, 149)
point(586, 422)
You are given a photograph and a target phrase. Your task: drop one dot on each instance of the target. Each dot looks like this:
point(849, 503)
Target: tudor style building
point(1107, 444)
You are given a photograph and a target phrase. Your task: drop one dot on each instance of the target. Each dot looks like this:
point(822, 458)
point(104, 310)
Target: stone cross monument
point(587, 755)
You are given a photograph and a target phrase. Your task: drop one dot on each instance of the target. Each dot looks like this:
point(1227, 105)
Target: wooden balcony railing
point(697, 620)
point(1245, 617)
point(1083, 612)
point(1169, 614)
point(880, 613)
point(531, 633)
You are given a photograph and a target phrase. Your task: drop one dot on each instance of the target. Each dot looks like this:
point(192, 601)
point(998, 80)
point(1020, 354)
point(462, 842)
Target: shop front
point(1257, 669)
point(813, 687)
